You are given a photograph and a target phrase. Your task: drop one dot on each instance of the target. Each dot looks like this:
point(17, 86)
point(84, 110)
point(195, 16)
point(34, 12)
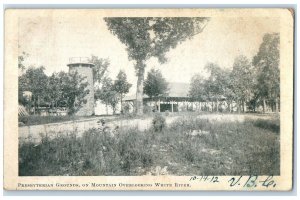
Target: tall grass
point(222, 148)
point(230, 148)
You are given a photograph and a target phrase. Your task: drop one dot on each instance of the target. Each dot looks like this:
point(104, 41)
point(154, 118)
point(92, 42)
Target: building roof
point(84, 61)
point(176, 89)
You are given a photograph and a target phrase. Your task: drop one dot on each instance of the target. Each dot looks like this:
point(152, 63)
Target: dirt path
point(36, 132)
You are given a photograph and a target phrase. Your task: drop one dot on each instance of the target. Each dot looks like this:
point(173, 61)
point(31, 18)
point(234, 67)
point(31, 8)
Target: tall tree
point(100, 68)
point(197, 89)
point(242, 81)
point(266, 62)
point(217, 86)
point(152, 37)
point(121, 86)
point(155, 85)
point(107, 95)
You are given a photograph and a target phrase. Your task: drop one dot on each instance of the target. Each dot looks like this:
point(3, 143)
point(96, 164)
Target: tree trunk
point(121, 104)
point(159, 105)
point(217, 105)
point(245, 107)
point(34, 106)
point(238, 106)
point(55, 107)
point(38, 104)
point(264, 105)
point(277, 107)
point(140, 87)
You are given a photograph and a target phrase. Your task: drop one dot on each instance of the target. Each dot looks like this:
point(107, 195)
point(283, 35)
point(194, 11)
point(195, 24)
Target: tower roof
point(79, 61)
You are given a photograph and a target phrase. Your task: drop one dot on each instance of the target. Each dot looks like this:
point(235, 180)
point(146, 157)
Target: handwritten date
point(241, 181)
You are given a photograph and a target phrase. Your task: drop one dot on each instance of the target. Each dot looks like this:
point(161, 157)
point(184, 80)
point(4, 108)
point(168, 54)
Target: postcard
point(149, 99)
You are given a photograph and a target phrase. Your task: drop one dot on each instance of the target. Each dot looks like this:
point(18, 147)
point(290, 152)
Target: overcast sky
point(51, 41)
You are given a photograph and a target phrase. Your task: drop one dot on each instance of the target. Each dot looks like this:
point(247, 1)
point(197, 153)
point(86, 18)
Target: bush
point(158, 123)
point(167, 112)
point(126, 108)
point(147, 109)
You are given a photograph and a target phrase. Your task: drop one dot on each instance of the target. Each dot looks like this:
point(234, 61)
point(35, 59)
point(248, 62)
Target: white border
point(112, 3)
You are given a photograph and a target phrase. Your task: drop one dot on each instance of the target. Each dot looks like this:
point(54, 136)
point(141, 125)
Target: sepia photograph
point(117, 93)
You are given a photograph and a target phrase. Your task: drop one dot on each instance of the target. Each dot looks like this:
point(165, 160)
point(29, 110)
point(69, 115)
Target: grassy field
point(188, 146)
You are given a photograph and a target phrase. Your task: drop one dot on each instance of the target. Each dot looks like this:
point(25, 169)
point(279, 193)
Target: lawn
point(187, 146)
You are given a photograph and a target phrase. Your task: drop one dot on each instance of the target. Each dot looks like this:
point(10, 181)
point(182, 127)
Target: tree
point(35, 81)
point(197, 90)
point(55, 90)
point(152, 37)
point(22, 87)
point(266, 62)
point(155, 85)
point(108, 95)
point(74, 89)
point(100, 68)
point(217, 86)
point(121, 86)
point(242, 81)
point(21, 59)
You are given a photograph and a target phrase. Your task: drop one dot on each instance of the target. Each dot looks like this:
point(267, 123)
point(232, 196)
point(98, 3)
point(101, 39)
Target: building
point(176, 100)
point(84, 69)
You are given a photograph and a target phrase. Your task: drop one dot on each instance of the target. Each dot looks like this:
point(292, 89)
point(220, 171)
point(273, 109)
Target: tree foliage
point(247, 84)
point(74, 90)
point(217, 85)
point(21, 59)
point(266, 62)
point(155, 85)
point(242, 78)
point(100, 68)
point(34, 80)
point(198, 90)
point(54, 90)
point(107, 94)
point(121, 86)
point(68, 89)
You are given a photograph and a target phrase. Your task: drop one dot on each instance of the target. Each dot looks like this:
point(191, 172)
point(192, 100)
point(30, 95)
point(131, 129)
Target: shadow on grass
point(271, 125)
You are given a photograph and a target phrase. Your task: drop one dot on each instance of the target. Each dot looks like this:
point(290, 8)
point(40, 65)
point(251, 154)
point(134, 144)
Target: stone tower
point(84, 69)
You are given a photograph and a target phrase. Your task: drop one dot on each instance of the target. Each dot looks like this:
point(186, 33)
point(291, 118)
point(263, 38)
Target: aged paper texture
point(148, 99)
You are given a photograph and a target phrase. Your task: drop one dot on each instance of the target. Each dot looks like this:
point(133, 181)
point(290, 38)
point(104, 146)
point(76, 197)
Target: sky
point(52, 39)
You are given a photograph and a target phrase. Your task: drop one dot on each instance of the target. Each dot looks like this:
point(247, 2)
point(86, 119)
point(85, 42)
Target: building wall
point(87, 72)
